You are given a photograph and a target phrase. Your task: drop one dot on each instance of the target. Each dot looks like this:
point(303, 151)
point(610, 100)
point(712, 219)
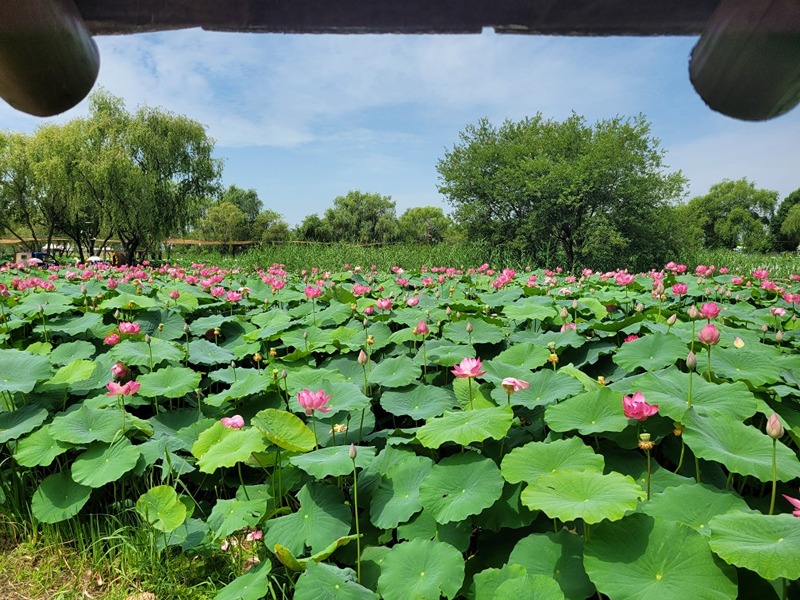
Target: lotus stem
point(355, 510)
point(469, 382)
point(314, 429)
point(648, 473)
point(774, 475)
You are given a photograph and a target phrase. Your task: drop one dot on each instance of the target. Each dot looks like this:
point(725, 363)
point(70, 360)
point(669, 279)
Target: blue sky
point(303, 119)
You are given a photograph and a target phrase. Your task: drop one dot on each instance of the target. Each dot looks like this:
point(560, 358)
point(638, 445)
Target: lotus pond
point(464, 433)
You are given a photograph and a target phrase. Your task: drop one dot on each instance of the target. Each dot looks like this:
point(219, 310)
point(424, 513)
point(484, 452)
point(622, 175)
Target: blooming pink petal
point(468, 368)
point(512, 384)
point(234, 422)
point(636, 407)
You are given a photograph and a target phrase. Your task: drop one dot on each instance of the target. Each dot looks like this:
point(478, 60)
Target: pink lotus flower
point(234, 422)
point(631, 338)
point(679, 289)
point(312, 292)
point(774, 427)
point(129, 328)
point(512, 384)
point(369, 310)
point(468, 368)
point(232, 296)
point(624, 278)
point(217, 292)
point(384, 303)
point(709, 310)
point(636, 407)
point(777, 311)
point(174, 294)
point(128, 389)
point(360, 290)
point(794, 502)
point(119, 370)
point(312, 401)
point(421, 328)
point(254, 536)
point(709, 335)
point(760, 274)
point(111, 339)
point(412, 302)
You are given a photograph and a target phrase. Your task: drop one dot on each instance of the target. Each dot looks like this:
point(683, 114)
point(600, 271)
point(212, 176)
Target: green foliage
point(588, 193)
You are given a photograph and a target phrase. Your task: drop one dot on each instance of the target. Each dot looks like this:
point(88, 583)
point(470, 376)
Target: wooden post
point(747, 62)
point(48, 59)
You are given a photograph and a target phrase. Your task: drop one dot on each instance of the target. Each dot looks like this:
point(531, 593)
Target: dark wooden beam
point(48, 60)
point(747, 62)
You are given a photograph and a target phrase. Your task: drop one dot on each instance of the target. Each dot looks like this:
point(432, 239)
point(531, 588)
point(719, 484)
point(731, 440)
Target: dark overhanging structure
point(746, 63)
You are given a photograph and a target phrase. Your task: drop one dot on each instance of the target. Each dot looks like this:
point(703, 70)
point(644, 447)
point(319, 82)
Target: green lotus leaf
point(42, 349)
point(741, 448)
point(418, 401)
point(161, 507)
point(743, 364)
point(693, 505)
point(219, 446)
point(164, 324)
point(766, 544)
point(558, 556)
point(309, 338)
point(47, 300)
point(476, 399)
point(247, 384)
point(127, 301)
point(322, 518)
point(229, 516)
point(446, 355)
point(530, 308)
point(39, 449)
point(19, 371)
point(397, 497)
point(290, 561)
point(169, 382)
point(466, 427)
point(640, 558)
point(328, 582)
point(66, 353)
point(531, 461)
point(309, 378)
point(424, 527)
point(58, 498)
point(334, 460)
point(85, 425)
point(250, 586)
point(203, 352)
point(460, 486)
point(482, 332)
point(75, 371)
point(394, 372)
point(285, 430)
point(529, 587)
point(138, 352)
point(487, 581)
point(345, 396)
point(70, 326)
point(102, 463)
point(587, 495)
point(21, 421)
point(596, 411)
point(421, 569)
point(651, 352)
point(500, 297)
point(525, 355)
point(546, 387)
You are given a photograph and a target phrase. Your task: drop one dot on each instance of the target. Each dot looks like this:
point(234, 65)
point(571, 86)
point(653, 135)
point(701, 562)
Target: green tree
point(363, 218)
point(735, 213)
point(564, 191)
point(224, 222)
point(246, 201)
point(314, 229)
point(269, 226)
point(785, 241)
point(424, 225)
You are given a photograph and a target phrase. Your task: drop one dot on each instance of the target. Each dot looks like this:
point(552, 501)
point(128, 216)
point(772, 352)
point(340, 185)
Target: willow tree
point(564, 191)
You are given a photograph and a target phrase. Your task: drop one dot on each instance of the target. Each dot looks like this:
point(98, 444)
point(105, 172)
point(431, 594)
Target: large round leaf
point(557, 555)
point(397, 497)
point(169, 382)
point(459, 486)
point(17, 423)
point(527, 356)
point(333, 461)
point(86, 425)
point(203, 352)
point(766, 544)
point(19, 371)
point(529, 587)
point(141, 354)
point(39, 449)
point(742, 449)
point(58, 498)
point(641, 558)
point(394, 372)
point(75, 371)
point(250, 586)
point(66, 353)
point(482, 332)
point(229, 516)
point(102, 463)
point(421, 570)
point(596, 411)
point(758, 368)
point(219, 446)
point(323, 517)
point(466, 427)
point(418, 401)
point(587, 495)
point(284, 429)
point(327, 582)
point(161, 507)
point(651, 352)
point(531, 461)
point(248, 383)
point(546, 387)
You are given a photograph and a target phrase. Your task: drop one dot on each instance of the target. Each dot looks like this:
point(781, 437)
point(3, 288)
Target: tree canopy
point(564, 192)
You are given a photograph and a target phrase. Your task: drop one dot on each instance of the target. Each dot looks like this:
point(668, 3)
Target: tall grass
point(780, 266)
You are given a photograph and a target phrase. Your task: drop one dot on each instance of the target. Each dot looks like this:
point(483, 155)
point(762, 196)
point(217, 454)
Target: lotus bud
point(469, 327)
point(779, 336)
point(575, 305)
point(116, 314)
point(362, 358)
point(233, 364)
point(448, 311)
point(764, 328)
point(564, 313)
point(774, 427)
point(185, 326)
point(352, 453)
point(147, 338)
point(284, 374)
point(639, 307)
point(691, 361)
point(738, 342)
point(693, 312)
point(672, 319)
point(365, 323)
